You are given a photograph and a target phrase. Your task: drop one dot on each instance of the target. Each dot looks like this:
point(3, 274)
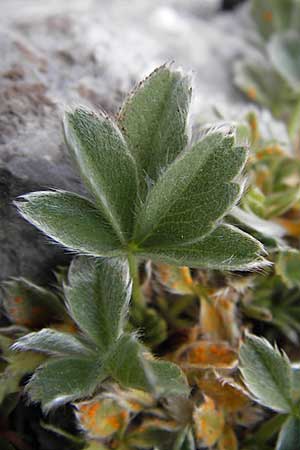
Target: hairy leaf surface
point(105, 164)
point(192, 194)
point(153, 120)
point(97, 296)
point(267, 373)
point(63, 380)
point(52, 342)
point(226, 248)
point(70, 220)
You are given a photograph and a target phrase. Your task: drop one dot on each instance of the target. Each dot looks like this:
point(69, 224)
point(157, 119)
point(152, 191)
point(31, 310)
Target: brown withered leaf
point(207, 354)
point(176, 279)
point(208, 422)
point(102, 417)
point(226, 395)
point(218, 318)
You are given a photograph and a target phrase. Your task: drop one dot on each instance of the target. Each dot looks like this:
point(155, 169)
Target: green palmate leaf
point(289, 436)
point(193, 187)
point(30, 305)
point(106, 166)
point(130, 368)
point(97, 296)
point(284, 53)
point(71, 220)
point(52, 342)
point(186, 201)
point(267, 373)
point(226, 248)
point(272, 16)
point(62, 380)
point(153, 120)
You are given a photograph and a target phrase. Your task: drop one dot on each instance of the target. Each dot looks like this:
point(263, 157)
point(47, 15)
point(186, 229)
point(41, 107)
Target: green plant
point(274, 383)
point(153, 195)
point(271, 76)
point(97, 297)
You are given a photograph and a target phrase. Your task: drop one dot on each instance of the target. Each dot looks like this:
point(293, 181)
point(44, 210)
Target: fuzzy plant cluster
point(186, 240)
point(153, 195)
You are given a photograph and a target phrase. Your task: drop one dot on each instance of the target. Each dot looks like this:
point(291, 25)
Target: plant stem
point(294, 121)
point(137, 295)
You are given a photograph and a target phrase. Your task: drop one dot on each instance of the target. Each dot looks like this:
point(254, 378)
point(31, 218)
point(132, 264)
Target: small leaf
point(106, 166)
point(289, 436)
point(70, 220)
point(264, 230)
point(209, 423)
point(30, 305)
point(228, 396)
point(278, 203)
point(153, 120)
point(267, 373)
point(177, 279)
point(218, 319)
point(18, 365)
point(51, 342)
point(62, 380)
point(226, 248)
point(186, 201)
point(170, 380)
point(125, 364)
point(98, 295)
point(284, 53)
point(130, 368)
point(102, 417)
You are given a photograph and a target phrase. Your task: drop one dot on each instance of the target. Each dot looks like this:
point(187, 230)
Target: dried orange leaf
point(102, 417)
point(206, 354)
point(228, 440)
point(208, 422)
point(229, 397)
point(175, 279)
point(210, 320)
point(218, 319)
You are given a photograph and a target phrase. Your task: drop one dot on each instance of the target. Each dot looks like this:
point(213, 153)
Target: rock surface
point(90, 52)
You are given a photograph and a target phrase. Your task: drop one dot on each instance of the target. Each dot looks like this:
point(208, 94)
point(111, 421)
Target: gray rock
point(90, 52)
